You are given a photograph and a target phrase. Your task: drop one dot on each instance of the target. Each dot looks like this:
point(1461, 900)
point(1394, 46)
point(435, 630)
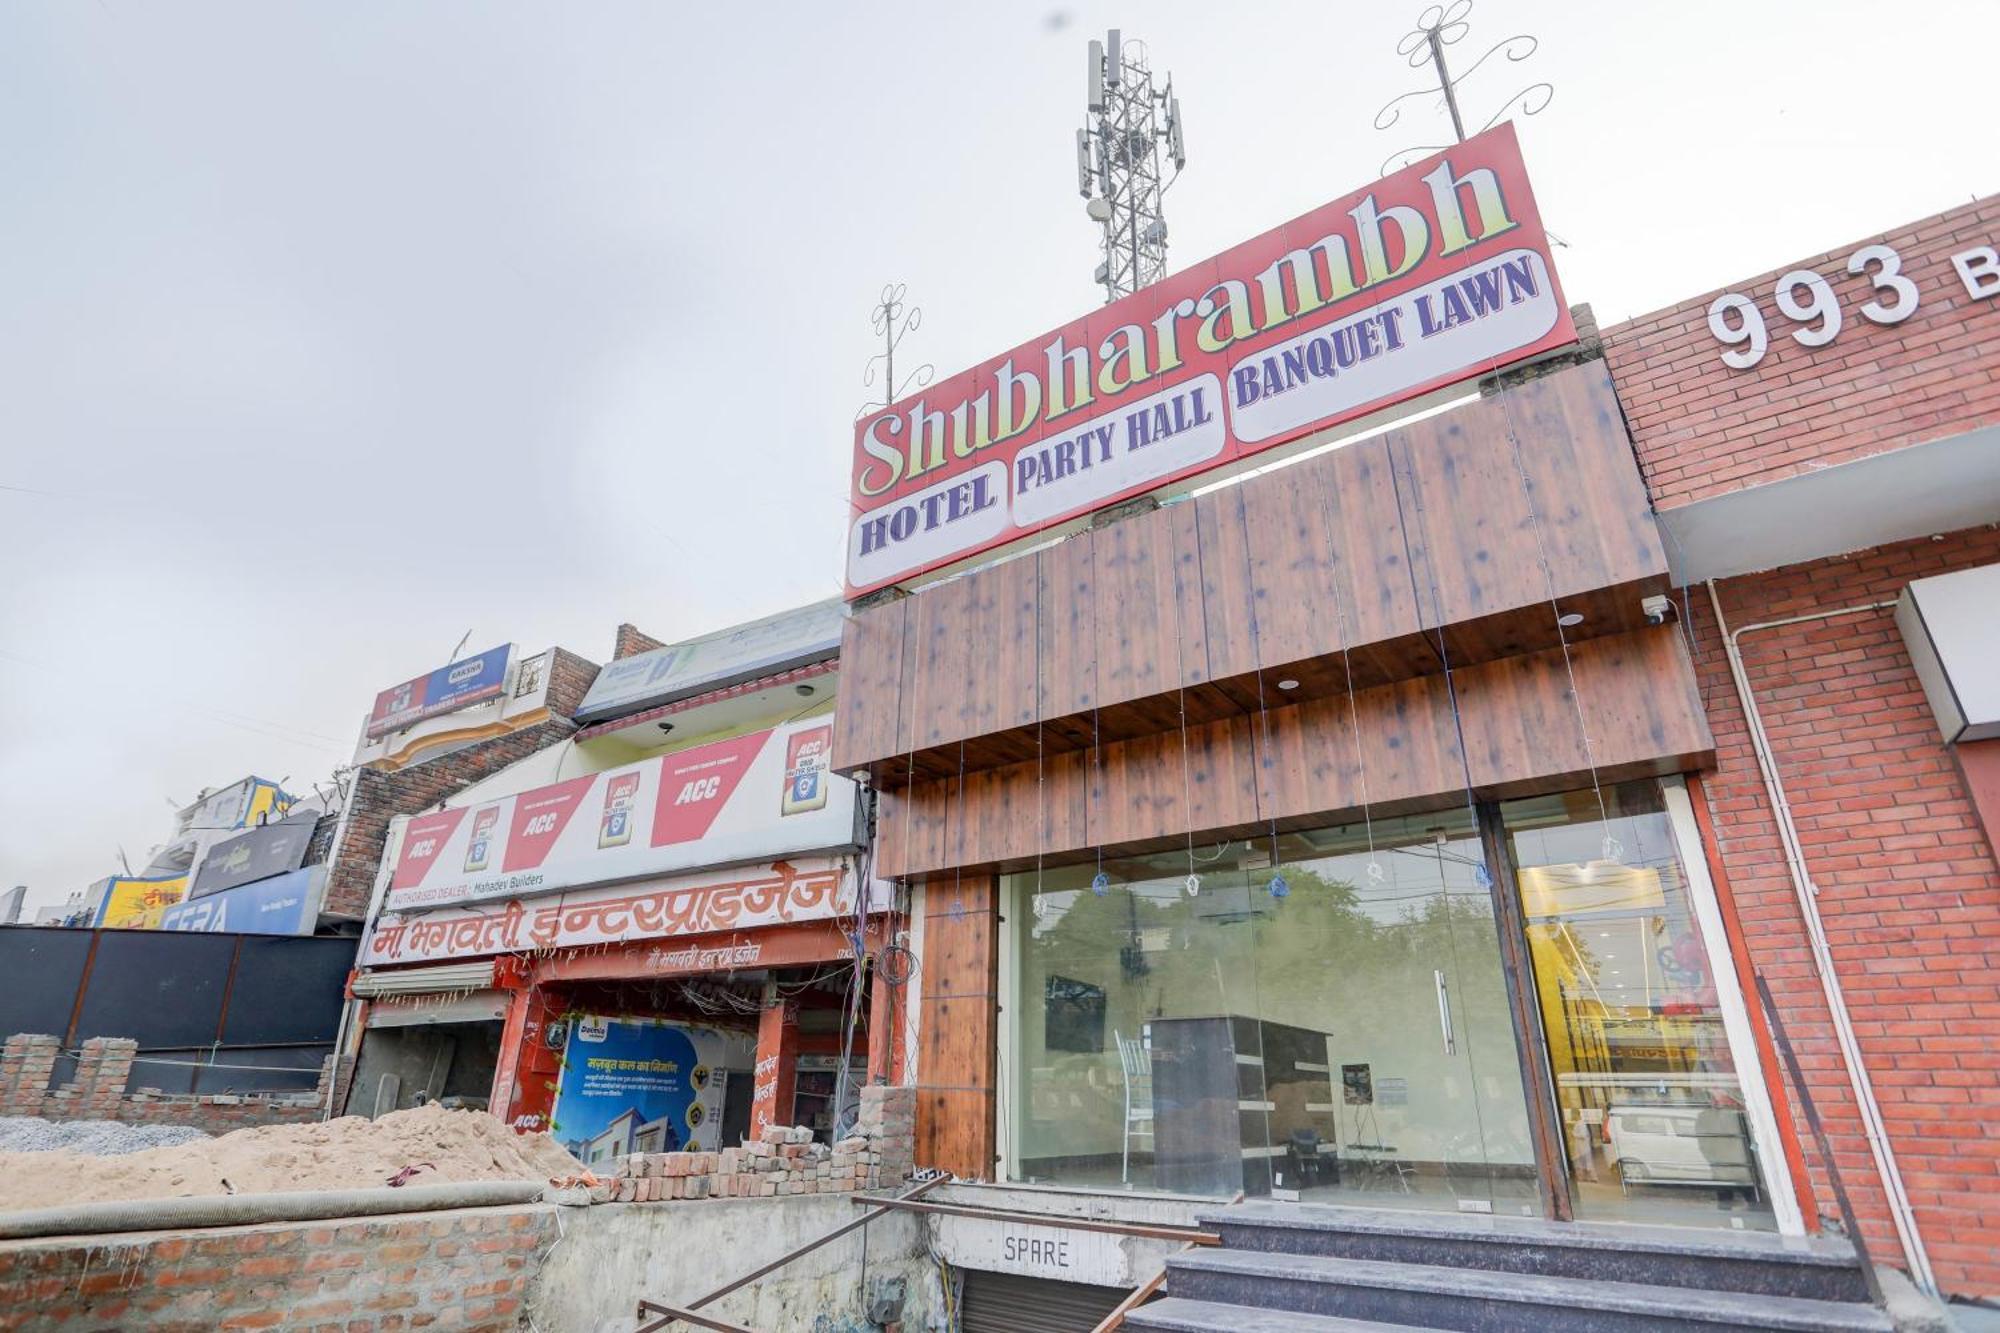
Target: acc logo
point(593, 1029)
point(701, 789)
point(460, 674)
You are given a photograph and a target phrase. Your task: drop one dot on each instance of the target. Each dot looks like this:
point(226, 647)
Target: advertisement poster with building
point(755, 797)
point(643, 1085)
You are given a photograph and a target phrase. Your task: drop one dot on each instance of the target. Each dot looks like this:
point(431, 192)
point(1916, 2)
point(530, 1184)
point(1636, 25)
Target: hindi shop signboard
point(1434, 275)
point(707, 903)
point(726, 802)
point(465, 682)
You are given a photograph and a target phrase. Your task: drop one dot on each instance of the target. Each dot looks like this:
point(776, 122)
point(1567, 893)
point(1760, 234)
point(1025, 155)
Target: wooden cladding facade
point(1316, 762)
point(958, 986)
point(1450, 540)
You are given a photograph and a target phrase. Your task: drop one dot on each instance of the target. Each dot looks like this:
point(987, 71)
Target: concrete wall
point(613, 1255)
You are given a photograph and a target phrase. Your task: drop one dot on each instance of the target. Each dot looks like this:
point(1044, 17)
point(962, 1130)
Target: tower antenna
point(1127, 120)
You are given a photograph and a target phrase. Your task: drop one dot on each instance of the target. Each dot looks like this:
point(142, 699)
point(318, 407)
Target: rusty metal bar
point(1144, 1292)
point(880, 1207)
point(1191, 1235)
point(683, 1316)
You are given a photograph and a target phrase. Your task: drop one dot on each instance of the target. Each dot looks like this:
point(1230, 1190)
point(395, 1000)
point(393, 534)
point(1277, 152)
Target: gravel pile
point(92, 1138)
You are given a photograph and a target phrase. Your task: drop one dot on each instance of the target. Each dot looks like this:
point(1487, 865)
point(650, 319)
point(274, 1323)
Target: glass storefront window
point(1654, 1119)
point(1349, 1040)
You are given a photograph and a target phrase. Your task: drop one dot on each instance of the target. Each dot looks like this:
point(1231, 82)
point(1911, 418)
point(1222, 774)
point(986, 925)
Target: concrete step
point(1174, 1315)
point(1813, 1268)
point(1483, 1301)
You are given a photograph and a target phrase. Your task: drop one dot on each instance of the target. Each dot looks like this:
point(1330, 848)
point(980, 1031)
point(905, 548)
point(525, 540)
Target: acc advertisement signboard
point(775, 643)
point(749, 798)
point(1436, 274)
point(284, 904)
point(139, 903)
point(638, 1085)
point(460, 685)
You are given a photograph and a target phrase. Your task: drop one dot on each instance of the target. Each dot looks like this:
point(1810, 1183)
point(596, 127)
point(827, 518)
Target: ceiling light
point(1569, 619)
point(1288, 684)
point(803, 690)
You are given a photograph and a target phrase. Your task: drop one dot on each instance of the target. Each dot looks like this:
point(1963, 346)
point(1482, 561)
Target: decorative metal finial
point(891, 320)
point(1438, 27)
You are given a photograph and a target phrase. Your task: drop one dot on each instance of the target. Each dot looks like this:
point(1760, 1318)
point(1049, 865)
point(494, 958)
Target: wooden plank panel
point(1228, 598)
point(1068, 627)
point(1470, 514)
point(1133, 571)
point(957, 1020)
point(1190, 666)
point(871, 652)
point(1291, 568)
point(1377, 599)
point(1596, 516)
point(1640, 705)
point(942, 615)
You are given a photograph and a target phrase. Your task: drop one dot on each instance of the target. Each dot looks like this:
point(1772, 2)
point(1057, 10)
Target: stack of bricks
point(104, 1067)
point(26, 1067)
point(889, 1124)
point(782, 1160)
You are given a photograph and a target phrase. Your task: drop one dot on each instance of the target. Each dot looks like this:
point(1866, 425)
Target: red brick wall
point(631, 643)
point(378, 795)
point(97, 1091)
point(1909, 887)
point(461, 1269)
point(1702, 429)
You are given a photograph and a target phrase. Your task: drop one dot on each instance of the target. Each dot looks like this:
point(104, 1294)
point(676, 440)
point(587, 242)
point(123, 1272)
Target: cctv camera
point(1658, 609)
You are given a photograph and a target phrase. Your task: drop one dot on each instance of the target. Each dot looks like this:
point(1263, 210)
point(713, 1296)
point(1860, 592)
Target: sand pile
point(349, 1153)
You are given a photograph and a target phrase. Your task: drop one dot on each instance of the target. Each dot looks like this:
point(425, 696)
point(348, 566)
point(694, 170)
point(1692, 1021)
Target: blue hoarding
point(639, 1085)
point(282, 905)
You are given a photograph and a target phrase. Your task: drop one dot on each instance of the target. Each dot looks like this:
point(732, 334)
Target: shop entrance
point(1505, 1010)
point(1347, 1038)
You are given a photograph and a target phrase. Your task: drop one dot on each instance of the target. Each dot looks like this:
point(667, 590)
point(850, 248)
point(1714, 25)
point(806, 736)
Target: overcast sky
point(331, 332)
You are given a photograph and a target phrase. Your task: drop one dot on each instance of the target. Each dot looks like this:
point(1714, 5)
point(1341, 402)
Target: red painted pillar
point(777, 1066)
point(524, 1077)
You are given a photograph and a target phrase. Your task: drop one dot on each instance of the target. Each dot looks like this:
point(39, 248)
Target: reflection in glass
point(1349, 1039)
point(1653, 1116)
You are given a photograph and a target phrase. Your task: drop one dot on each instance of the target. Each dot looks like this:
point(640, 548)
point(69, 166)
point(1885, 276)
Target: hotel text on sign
point(1436, 274)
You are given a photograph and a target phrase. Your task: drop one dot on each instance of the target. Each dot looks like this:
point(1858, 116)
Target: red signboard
point(1436, 274)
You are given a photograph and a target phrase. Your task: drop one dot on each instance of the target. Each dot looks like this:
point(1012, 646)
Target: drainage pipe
point(1807, 893)
point(233, 1210)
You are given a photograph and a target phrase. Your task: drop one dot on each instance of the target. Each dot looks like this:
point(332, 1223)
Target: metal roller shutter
point(1005, 1303)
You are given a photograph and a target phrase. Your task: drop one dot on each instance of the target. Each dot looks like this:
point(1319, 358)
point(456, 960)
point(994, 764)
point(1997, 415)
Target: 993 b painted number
point(1808, 301)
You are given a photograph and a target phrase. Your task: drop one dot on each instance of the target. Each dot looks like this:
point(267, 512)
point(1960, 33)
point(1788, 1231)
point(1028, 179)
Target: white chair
point(1135, 1063)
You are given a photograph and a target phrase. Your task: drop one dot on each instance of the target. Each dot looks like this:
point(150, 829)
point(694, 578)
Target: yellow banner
point(140, 903)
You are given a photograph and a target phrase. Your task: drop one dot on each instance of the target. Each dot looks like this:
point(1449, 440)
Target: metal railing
point(668, 1315)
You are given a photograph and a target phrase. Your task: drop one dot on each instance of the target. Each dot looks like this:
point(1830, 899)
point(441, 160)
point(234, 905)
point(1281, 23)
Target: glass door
point(1656, 1122)
point(1391, 957)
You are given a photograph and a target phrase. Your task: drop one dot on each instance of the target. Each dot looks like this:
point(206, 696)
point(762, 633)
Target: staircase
point(1321, 1269)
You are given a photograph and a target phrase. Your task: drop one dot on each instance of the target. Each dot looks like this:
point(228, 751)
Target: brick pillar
point(102, 1070)
point(26, 1065)
point(335, 1073)
point(777, 1068)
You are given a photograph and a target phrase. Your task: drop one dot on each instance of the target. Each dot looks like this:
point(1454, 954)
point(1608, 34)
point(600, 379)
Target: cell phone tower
point(1118, 163)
